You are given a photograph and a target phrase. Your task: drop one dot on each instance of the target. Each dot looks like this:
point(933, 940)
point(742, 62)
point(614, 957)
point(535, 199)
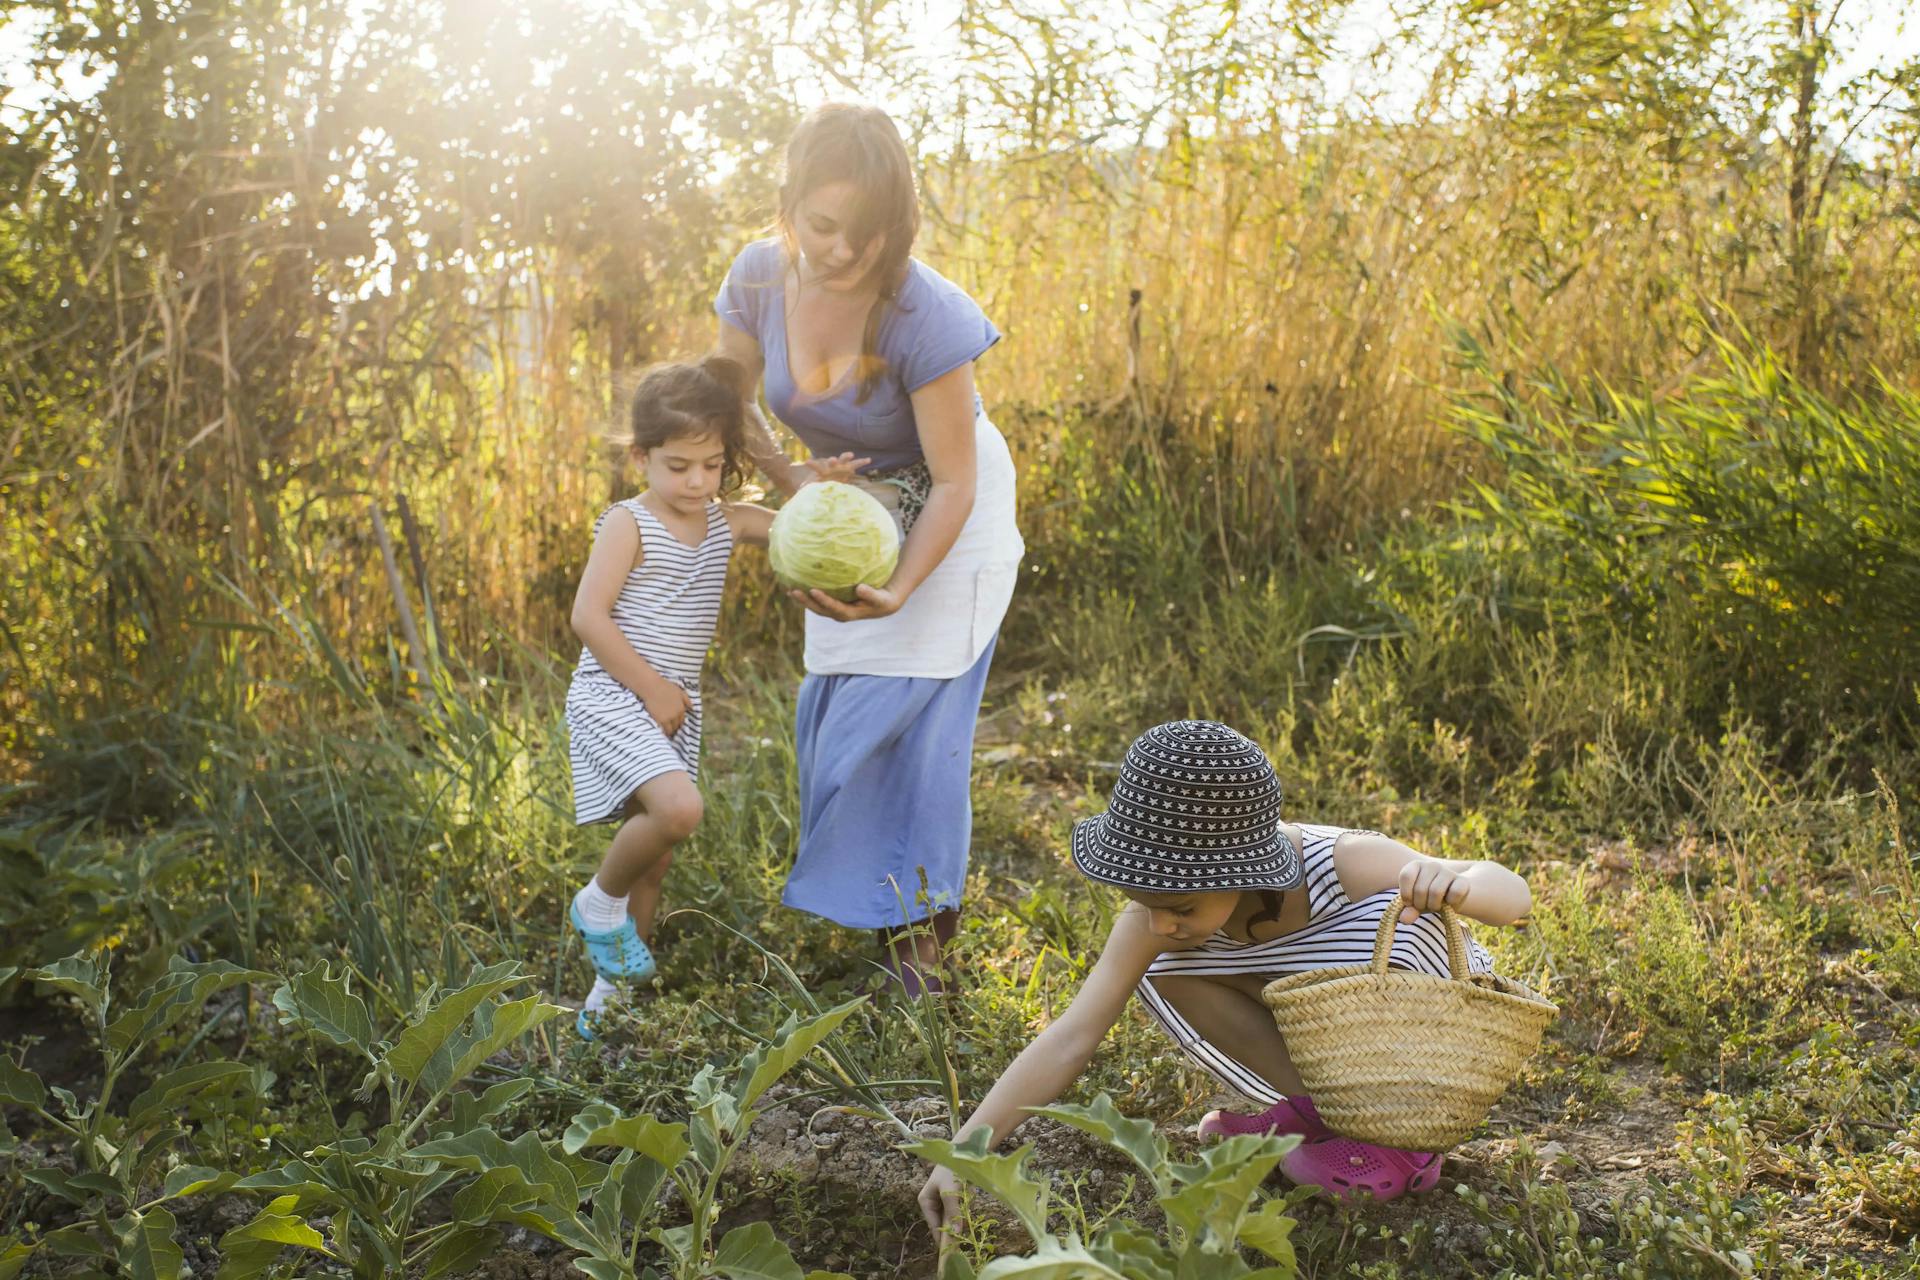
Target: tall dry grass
point(282, 267)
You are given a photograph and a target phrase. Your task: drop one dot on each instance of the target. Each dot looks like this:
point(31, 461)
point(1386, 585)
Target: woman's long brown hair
point(841, 142)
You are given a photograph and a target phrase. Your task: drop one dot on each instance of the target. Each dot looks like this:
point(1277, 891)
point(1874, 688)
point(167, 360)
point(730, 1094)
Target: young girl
point(1225, 898)
point(645, 612)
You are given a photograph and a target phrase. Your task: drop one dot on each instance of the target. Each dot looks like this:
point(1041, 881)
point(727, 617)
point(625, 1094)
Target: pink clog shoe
point(1347, 1169)
point(1289, 1115)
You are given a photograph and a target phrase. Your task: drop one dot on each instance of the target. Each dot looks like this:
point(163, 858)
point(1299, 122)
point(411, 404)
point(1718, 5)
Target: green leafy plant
point(1712, 1220)
point(65, 886)
point(375, 1186)
point(1213, 1206)
point(542, 1188)
point(117, 1187)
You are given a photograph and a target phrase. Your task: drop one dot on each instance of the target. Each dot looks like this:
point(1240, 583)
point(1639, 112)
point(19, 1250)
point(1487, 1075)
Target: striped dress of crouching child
point(1338, 931)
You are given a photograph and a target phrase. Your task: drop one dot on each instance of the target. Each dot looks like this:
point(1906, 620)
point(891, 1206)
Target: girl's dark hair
point(706, 397)
point(1269, 910)
point(841, 142)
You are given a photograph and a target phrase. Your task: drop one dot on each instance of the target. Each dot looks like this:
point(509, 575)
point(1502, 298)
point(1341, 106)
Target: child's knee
point(679, 813)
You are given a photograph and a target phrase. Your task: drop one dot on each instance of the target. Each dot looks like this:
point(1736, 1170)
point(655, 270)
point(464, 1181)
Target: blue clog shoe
point(617, 954)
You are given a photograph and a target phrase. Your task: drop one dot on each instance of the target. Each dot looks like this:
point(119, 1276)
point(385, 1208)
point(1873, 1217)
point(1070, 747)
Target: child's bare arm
point(1368, 863)
point(1056, 1057)
point(749, 520)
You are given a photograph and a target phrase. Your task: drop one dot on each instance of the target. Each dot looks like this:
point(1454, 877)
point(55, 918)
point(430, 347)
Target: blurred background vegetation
point(270, 266)
point(1505, 412)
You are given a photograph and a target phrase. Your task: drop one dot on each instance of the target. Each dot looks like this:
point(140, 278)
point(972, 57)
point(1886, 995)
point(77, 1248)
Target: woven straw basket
point(1407, 1059)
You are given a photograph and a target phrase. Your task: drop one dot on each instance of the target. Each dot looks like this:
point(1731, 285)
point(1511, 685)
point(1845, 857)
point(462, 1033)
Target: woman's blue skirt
point(886, 764)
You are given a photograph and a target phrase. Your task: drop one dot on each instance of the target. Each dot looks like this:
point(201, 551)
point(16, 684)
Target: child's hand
point(940, 1202)
point(668, 704)
point(1427, 885)
point(842, 468)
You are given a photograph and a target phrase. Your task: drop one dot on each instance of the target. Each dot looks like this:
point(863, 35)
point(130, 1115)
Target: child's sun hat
point(1196, 810)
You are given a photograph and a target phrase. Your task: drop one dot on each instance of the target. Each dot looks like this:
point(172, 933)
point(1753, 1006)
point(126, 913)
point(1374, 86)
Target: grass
point(1727, 898)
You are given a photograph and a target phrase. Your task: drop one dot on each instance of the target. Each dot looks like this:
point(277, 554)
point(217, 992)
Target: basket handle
point(1456, 939)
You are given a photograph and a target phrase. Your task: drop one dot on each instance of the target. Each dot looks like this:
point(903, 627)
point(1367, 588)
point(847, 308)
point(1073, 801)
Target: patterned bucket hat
point(1196, 809)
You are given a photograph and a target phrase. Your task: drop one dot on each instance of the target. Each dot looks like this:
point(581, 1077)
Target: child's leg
point(660, 813)
point(1225, 1010)
point(664, 811)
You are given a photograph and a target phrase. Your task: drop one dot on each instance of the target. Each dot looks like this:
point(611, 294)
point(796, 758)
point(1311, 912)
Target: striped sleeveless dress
point(666, 610)
point(1338, 931)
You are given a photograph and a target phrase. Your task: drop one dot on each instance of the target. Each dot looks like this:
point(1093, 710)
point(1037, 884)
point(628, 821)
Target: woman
point(866, 353)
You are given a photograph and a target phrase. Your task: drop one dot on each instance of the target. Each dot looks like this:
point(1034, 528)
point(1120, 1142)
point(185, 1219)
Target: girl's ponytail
point(726, 371)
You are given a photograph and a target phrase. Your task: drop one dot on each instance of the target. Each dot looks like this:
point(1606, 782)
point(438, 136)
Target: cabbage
point(833, 537)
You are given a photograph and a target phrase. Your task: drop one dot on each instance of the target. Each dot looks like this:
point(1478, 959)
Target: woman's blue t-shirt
point(932, 328)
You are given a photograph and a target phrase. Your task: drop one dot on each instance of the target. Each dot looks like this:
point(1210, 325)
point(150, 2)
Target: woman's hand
point(874, 602)
point(940, 1202)
point(1428, 884)
point(668, 704)
point(842, 468)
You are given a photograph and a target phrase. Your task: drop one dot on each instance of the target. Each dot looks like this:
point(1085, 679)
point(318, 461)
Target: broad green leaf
point(600, 1125)
point(151, 1253)
point(1005, 1176)
point(1136, 1253)
point(326, 1005)
point(80, 1188)
point(483, 1149)
point(493, 1195)
point(181, 990)
point(679, 1243)
point(1053, 1260)
point(297, 1178)
point(470, 1112)
point(640, 1188)
point(81, 975)
point(1136, 1138)
point(795, 1040)
point(1270, 1230)
point(462, 1249)
point(195, 1179)
point(76, 1241)
point(417, 1045)
point(606, 1197)
point(567, 1228)
point(607, 1268)
point(252, 1247)
point(954, 1265)
point(13, 1252)
point(491, 1029)
point(171, 1089)
point(1215, 1190)
point(702, 1134)
point(20, 1086)
point(829, 1275)
point(752, 1253)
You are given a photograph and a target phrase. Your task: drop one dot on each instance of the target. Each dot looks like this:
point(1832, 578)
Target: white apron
point(946, 623)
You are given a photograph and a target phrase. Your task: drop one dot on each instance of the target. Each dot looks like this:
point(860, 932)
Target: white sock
point(600, 910)
point(598, 997)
